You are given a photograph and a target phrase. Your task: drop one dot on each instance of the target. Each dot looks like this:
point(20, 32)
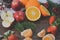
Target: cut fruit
point(10, 19)
point(41, 33)
point(33, 13)
point(5, 15)
point(28, 38)
point(44, 11)
point(26, 33)
point(6, 24)
point(49, 37)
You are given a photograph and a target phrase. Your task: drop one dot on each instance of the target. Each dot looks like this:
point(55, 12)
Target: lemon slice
point(33, 13)
point(6, 24)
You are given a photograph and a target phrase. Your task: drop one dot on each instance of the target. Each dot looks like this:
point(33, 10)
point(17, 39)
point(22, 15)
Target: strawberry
point(51, 20)
point(12, 37)
point(52, 29)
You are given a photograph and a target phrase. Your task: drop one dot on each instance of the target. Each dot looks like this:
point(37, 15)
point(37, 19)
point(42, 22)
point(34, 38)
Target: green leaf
point(24, 25)
point(19, 27)
point(29, 25)
point(6, 34)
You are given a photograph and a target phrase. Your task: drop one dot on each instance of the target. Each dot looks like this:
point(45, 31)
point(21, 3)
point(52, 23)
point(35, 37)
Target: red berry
point(46, 4)
point(55, 10)
point(51, 20)
point(52, 29)
point(12, 37)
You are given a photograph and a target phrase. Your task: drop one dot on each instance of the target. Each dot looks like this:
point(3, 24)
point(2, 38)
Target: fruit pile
point(14, 12)
point(33, 10)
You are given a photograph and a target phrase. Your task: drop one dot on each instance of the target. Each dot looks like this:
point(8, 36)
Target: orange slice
point(41, 33)
point(27, 33)
point(44, 11)
point(49, 37)
point(28, 38)
point(33, 13)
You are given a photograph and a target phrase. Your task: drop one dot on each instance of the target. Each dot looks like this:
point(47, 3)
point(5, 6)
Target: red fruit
point(52, 29)
point(15, 4)
point(46, 4)
point(51, 20)
point(55, 10)
point(16, 16)
point(19, 16)
point(12, 37)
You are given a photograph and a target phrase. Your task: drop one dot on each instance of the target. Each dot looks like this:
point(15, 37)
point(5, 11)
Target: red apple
point(19, 16)
point(15, 4)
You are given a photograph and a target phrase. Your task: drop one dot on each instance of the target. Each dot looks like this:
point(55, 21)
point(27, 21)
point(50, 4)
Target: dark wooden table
point(41, 24)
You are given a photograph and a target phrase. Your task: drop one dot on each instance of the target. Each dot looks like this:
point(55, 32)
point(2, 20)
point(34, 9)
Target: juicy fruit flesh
point(27, 38)
point(44, 11)
point(41, 33)
point(33, 13)
point(47, 38)
point(27, 33)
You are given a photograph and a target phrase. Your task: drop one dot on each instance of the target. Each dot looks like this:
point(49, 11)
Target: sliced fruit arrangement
point(44, 11)
point(33, 13)
point(41, 33)
point(7, 18)
point(49, 37)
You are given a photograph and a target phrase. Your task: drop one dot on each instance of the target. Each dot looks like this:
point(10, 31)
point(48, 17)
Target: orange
point(28, 38)
point(41, 33)
point(44, 11)
point(32, 3)
point(24, 1)
point(33, 13)
point(27, 33)
point(49, 37)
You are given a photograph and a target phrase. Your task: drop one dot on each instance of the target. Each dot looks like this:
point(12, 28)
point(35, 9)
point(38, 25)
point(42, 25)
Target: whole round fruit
point(12, 37)
point(19, 16)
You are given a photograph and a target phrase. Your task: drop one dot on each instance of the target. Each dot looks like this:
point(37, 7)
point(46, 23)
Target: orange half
point(33, 13)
